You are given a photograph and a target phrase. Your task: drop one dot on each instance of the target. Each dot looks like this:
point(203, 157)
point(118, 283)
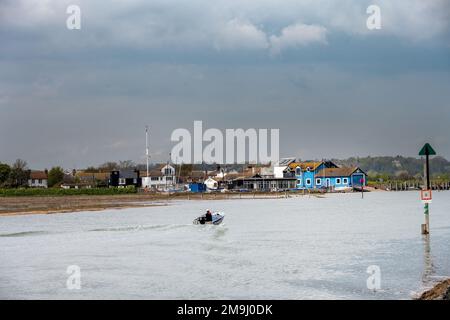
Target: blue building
point(340, 178)
point(325, 175)
point(197, 187)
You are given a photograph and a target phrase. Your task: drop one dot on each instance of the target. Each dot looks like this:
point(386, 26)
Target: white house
point(163, 178)
point(38, 179)
point(280, 167)
point(211, 184)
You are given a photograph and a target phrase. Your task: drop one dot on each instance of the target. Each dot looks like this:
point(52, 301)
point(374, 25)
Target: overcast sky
point(310, 68)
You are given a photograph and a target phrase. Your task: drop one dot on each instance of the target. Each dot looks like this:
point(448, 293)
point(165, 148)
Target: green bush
point(65, 192)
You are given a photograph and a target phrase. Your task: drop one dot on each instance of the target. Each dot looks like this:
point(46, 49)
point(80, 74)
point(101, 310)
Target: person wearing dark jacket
point(208, 215)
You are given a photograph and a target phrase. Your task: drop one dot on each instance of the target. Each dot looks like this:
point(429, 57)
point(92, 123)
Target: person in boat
point(208, 215)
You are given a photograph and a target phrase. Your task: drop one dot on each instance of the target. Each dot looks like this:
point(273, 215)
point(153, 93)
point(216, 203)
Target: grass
point(65, 192)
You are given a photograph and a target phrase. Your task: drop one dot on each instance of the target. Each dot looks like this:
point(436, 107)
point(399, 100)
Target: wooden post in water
point(362, 187)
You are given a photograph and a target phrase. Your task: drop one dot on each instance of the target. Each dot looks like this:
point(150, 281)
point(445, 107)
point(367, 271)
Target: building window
point(134, 180)
point(308, 182)
point(40, 181)
point(299, 182)
point(345, 180)
point(122, 181)
point(298, 171)
point(338, 180)
point(318, 181)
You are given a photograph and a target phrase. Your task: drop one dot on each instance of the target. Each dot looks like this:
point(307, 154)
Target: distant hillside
point(402, 167)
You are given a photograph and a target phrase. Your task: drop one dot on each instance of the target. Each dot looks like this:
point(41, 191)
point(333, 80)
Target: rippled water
point(296, 248)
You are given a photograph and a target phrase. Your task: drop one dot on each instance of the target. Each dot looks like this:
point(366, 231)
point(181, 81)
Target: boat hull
point(216, 219)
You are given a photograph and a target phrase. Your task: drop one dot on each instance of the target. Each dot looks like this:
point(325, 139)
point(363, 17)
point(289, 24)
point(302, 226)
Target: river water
point(296, 248)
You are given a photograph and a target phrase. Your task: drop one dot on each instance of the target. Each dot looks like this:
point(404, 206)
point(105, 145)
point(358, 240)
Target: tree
point(55, 176)
point(186, 170)
point(402, 175)
point(5, 170)
point(109, 166)
point(19, 174)
point(126, 164)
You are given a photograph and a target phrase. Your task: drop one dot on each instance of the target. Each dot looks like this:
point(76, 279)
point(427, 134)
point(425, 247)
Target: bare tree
point(126, 164)
point(19, 173)
point(20, 165)
point(109, 166)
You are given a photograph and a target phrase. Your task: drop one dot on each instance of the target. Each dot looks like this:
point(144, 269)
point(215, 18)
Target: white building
point(280, 167)
point(161, 179)
point(38, 179)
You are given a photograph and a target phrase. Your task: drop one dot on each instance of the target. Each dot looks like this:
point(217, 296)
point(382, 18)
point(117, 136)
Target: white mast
point(146, 147)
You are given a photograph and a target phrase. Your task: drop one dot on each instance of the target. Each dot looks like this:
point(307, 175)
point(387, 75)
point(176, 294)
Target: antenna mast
point(146, 147)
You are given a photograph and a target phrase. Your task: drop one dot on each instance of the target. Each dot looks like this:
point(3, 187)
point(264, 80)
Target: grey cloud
point(199, 24)
point(83, 97)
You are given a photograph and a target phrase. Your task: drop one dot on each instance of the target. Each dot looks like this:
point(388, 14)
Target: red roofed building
point(38, 179)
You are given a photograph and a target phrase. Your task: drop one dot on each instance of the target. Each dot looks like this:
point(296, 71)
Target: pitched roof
point(337, 172)
point(284, 162)
point(41, 175)
point(92, 175)
point(152, 173)
point(160, 166)
point(230, 176)
point(304, 165)
point(128, 174)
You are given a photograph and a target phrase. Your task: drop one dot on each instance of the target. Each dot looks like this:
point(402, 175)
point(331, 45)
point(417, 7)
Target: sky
point(310, 68)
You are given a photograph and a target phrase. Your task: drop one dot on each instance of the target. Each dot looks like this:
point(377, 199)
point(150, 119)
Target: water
point(297, 248)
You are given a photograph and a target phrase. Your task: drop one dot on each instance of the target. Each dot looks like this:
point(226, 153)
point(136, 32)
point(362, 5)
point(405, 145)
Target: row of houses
point(161, 178)
point(320, 174)
point(288, 173)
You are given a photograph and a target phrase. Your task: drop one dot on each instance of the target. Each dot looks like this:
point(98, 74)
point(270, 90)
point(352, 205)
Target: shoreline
point(73, 210)
point(440, 291)
point(13, 206)
point(27, 205)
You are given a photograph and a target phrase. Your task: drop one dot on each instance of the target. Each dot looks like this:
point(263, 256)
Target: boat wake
point(142, 228)
point(24, 234)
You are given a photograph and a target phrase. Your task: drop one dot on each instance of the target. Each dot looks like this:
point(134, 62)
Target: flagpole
point(146, 148)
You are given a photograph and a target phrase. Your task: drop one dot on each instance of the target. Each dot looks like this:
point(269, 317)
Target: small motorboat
point(217, 218)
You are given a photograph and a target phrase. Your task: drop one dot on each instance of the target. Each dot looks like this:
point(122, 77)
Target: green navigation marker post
point(427, 151)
